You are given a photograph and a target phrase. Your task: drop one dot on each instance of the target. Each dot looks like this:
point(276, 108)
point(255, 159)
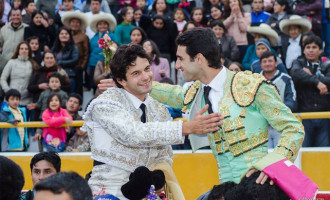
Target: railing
point(299, 116)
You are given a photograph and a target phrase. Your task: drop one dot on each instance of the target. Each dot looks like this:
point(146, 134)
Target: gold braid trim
point(190, 94)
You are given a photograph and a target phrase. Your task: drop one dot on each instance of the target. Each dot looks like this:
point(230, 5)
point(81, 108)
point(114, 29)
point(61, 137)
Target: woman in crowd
point(138, 35)
point(160, 7)
point(228, 45)
point(188, 26)
point(39, 27)
point(159, 66)
point(122, 32)
point(35, 48)
point(216, 13)
point(17, 72)
point(101, 24)
point(197, 15)
point(66, 53)
point(236, 22)
point(207, 5)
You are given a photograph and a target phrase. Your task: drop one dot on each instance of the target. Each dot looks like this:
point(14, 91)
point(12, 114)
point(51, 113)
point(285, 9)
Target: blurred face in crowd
point(68, 4)
point(197, 16)
point(260, 49)
point(34, 45)
point(64, 36)
point(257, 5)
point(190, 69)
point(54, 104)
point(312, 52)
point(136, 37)
point(128, 17)
point(268, 65)
point(95, 6)
point(235, 68)
point(23, 51)
point(17, 3)
point(160, 5)
point(218, 31)
point(102, 26)
point(190, 26)
point(138, 79)
point(233, 3)
point(147, 47)
point(137, 15)
point(16, 17)
point(158, 23)
point(42, 170)
point(54, 83)
point(215, 13)
point(37, 19)
point(30, 8)
point(257, 37)
point(49, 195)
point(75, 24)
point(294, 31)
point(141, 3)
point(278, 8)
point(72, 105)
point(49, 60)
point(213, 2)
point(13, 102)
point(179, 16)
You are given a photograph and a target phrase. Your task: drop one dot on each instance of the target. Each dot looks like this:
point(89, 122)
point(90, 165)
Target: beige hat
point(296, 20)
point(109, 18)
point(67, 16)
point(266, 30)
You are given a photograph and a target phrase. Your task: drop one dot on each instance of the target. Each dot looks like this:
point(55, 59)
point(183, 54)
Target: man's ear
point(199, 58)
point(122, 82)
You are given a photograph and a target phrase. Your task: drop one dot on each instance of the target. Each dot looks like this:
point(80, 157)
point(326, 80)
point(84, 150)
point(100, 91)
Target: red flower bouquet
point(108, 50)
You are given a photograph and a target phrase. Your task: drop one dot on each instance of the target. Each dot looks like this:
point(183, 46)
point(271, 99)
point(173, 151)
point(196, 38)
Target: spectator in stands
point(66, 53)
point(235, 67)
point(63, 186)
point(141, 5)
point(68, 7)
point(11, 179)
point(228, 44)
point(179, 18)
point(326, 27)
point(103, 6)
point(138, 35)
point(54, 86)
point(187, 6)
point(73, 105)
point(122, 32)
point(208, 4)
point(47, 6)
point(197, 15)
point(284, 85)
point(312, 79)
point(161, 7)
point(101, 24)
point(77, 5)
point(4, 11)
point(10, 36)
point(293, 27)
point(54, 136)
point(35, 48)
point(29, 7)
point(237, 22)
point(39, 27)
point(258, 15)
point(261, 47)
point(258, 32)
point(95, 8)
point(13, 139)
point(138, 12)
point(159, 66)
point(77, 22)
point(313, 10)
point(79, 142)
point(282, 11)
point(42, 165)
point(216, 13)
point(17, 4)
point(188, 26)
point(17, 72)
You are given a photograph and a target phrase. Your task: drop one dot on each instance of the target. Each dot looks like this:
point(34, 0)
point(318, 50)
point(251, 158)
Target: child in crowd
point(54, 136)
point(13, 139)
point(29, 8)
point(197, 15)
point(143, 5)
point(35, 48)
point(54, 83)
point(79, 142)
point(73, 105)
point(179, 18)
point(138, 12)
point(187, 6)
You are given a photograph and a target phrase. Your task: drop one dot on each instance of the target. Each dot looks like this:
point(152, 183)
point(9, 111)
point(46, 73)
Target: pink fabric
point(291, 180)
point(54, 120)
point(163, 65)
point(236, 26)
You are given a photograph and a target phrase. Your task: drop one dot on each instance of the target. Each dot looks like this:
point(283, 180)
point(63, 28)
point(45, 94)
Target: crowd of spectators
point(50, 55)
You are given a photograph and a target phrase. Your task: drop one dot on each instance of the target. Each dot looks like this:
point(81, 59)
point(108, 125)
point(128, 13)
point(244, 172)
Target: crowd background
point(50, 56)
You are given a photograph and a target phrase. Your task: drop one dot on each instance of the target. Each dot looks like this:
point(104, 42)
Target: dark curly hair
point(51, 157)
point(125, 57)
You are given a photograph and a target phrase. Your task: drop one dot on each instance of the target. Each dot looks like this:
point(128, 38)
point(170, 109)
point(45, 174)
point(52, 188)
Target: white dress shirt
point(293, 52)
point(137, 102)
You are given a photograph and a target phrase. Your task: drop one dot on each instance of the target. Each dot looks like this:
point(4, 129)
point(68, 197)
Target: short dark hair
point(185, 27)
point(267, 54)
point(11, 179)
point(124, 57)
point(27, 3)
point(219, 191)
point(55, 75)
point(50, 98)
point(217, 23)
point(100, 1)
point(201, 40)
point(77, 96)
point(69, 182)
point(50, 156)
point(313, 39)
point(12, 93)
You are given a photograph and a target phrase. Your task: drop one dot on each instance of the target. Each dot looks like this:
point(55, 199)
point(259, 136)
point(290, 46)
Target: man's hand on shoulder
point(202, 124)
point(106, 83)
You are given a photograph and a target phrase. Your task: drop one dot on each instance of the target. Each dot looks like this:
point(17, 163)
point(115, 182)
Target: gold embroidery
point(238, 123)
point(243, 113)
point(217, 137)
point(241, 134)
point(224, 110)
point(219, 148)
point(228, 125)
point(191, 93)
point(276, 111)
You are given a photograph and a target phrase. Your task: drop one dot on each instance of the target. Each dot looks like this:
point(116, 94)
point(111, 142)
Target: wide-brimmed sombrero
point(266, 30)
point(109, 18)
point(67, 16)
point(296, 20)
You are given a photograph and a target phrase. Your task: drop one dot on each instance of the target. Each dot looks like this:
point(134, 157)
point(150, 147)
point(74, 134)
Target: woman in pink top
point(159, 66)
point(236, 22)
point(54, 136)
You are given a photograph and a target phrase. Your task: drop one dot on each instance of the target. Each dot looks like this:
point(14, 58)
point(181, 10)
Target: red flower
point(101, 42)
